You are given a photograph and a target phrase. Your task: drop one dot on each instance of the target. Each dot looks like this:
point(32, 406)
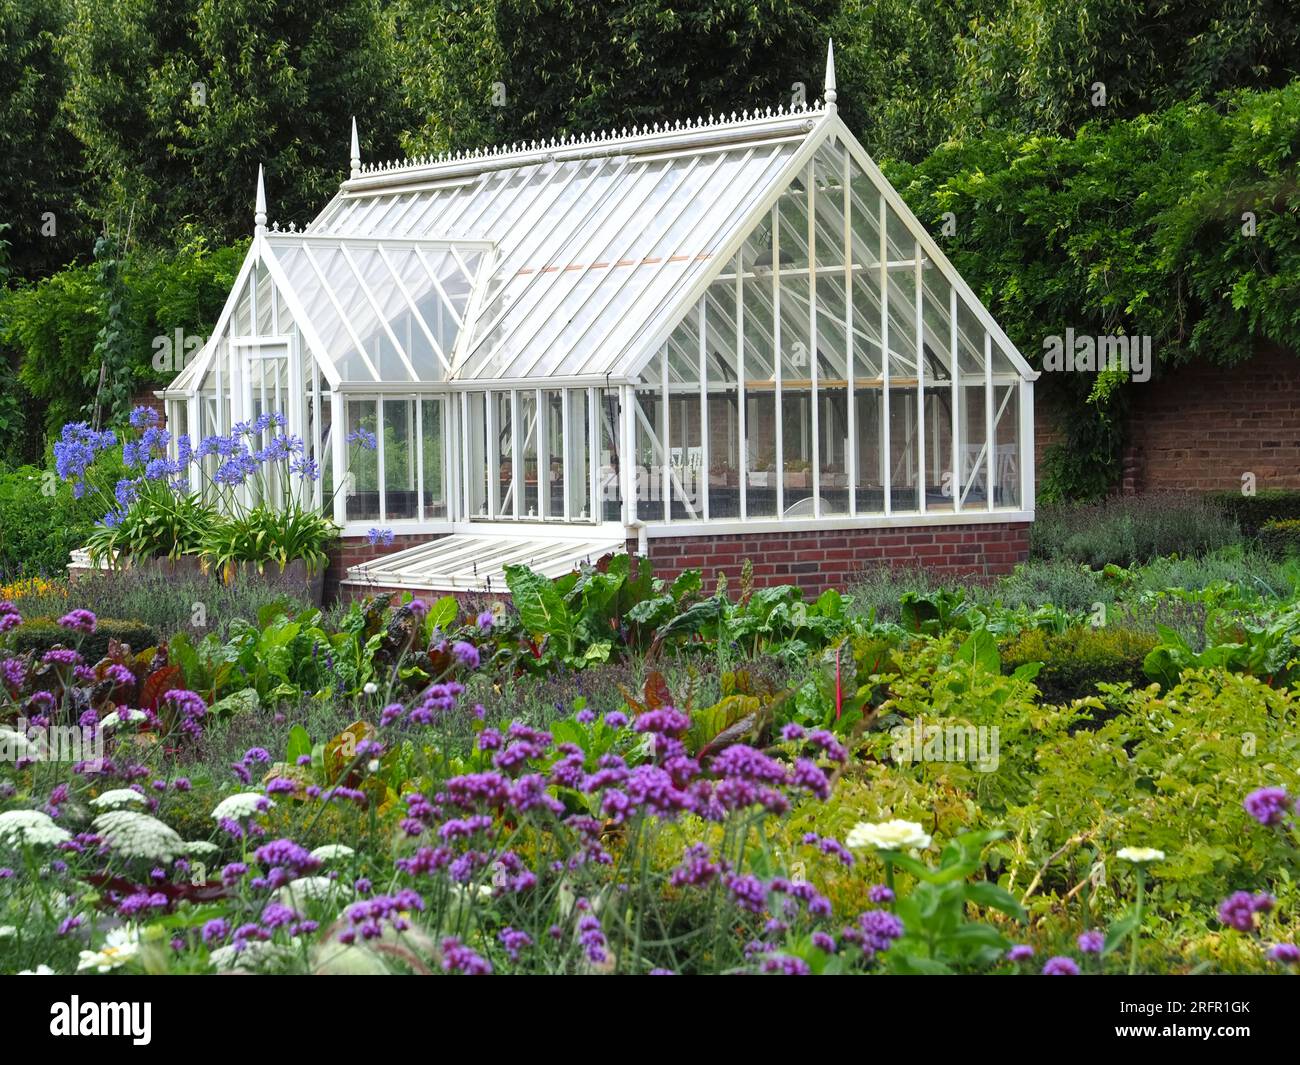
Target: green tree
point(178, 102)
point(562, 66)
point(1183, 226)
point(896, 62)
point(1044, 64)
point(65, 325)
point(41, 157)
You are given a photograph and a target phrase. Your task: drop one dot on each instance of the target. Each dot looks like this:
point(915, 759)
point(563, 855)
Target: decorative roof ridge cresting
point(740, 127)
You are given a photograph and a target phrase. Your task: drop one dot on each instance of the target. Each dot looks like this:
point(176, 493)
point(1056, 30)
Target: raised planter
point(294, 576)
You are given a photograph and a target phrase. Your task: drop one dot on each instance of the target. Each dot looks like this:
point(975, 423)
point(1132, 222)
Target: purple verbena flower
point(1268, 806)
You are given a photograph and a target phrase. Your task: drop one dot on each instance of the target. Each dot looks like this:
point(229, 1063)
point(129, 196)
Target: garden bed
point(799, 785)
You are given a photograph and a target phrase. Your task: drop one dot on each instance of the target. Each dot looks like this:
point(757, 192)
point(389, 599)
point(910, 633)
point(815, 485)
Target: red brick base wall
point(836, 558)
point(814, 560)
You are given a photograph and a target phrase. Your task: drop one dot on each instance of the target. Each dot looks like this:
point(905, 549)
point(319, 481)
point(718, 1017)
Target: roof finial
point(259, 208)
point(356, 150)
point(829, 94)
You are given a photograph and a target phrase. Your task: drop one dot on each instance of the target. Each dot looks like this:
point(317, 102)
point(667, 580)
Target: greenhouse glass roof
point(381, 310)
point(595, 242)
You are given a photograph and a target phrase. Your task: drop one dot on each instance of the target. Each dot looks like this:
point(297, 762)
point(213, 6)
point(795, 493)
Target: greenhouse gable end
point(714, 341)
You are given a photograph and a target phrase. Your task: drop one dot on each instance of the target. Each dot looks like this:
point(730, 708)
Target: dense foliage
point(1180, 226)
point(162, 299)
point(1165, 209)
point(405, 789)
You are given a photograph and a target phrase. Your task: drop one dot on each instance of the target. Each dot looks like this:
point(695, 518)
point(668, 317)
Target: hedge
point(38, 635)
point(1281, 538)
point(1253, 512)
point(1076, 661)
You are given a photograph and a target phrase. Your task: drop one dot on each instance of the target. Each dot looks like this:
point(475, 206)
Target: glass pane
point(723, 401)
point(832, 344)
point(970, 342)
point(362, 491)
point(796, 356)
point(325, 453)
point(400, 458)
point(1006, 454)
point(579, 456)
point(648, 429)
point(550, 461)
point(971, 453)
point(611, 485)
point(833, 444)
point(759, 354)
point(870, 496)
point(243, 317)
point(265, 300)
point(503, 456)
point(902, 448)
point(476, 430)
point(435, 494)
point(530, 479)
point(796, 451)
point(936, 360)
point(685, 435)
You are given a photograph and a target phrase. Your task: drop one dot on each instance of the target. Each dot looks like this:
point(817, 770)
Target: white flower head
point(297, 893)
point(117, 717)
point(136, 835)
point(887, 836)
point(201, 848)
point(253, 953)
point(117, 798)
point(7, 931)
point(1140, 855)
point(16, 747)
point(40, 970)
point(30, 828)
point(241, 805)
point(370, 687)
point(120, 946)
point(331, 851)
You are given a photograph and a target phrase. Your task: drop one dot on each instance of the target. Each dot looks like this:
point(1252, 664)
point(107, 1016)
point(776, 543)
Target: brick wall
point(814, 560)
point(146, 398)
point(817, 560)
point(1046, 428)
point(1200, 427)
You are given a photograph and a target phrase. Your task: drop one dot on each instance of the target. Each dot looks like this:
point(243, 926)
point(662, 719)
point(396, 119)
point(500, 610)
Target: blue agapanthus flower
point(76, 449)
point(126, 491)
point(143, 418)
point(307, 469)
point(159, 469)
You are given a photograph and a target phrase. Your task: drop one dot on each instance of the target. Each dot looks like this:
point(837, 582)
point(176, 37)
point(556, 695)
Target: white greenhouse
point(727, 328)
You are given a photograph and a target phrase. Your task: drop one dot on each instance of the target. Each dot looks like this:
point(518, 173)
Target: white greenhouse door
point(265, 369)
